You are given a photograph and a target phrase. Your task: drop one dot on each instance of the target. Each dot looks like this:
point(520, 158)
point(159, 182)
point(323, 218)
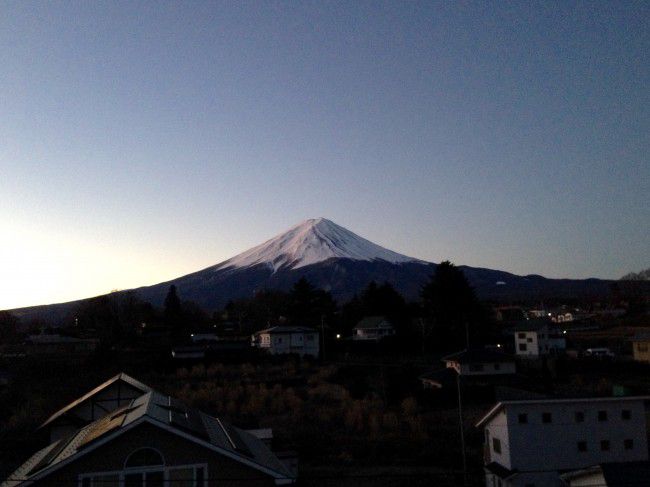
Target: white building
point(480, 362)
point(288, 339)
point(534, 339)
point(528, 443)
point(373, 328)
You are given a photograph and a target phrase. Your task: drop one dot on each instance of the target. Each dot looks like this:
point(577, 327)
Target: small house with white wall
point(530, 443)
point(276, 340)
point(373, 328)
point(480, 362)
point(536, 338)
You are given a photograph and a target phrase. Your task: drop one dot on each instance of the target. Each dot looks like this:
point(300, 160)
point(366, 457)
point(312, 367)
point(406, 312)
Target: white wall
point(302, 343)
point(553, 446)
point(497, 428)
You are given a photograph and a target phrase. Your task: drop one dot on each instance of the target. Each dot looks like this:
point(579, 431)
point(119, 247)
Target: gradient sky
point(140, 141)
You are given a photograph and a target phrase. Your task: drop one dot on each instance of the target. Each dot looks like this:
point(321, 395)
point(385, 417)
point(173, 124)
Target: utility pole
point(462, 431)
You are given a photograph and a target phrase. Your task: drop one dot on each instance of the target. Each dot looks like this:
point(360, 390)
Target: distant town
point(296, 388)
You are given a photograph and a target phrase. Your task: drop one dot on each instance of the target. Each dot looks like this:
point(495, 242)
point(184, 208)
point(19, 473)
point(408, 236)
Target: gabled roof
point(502, 404)
point(281, 330)
point(119, 377)
point(370, 322)
point(166, 413)
point(477, 355)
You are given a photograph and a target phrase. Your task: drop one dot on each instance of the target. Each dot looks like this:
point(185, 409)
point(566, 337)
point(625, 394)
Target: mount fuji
point(341, 262)
point(335, 259)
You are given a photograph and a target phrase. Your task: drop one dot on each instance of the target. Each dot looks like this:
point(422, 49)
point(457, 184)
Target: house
point(373, 328)
point(154, 440)
point(641, 347)
point(480, 362)
point(288, 339)
point(509, 313)
point(535, 338)
point(473, 363)
point(610, 475)
point(53, 344)
point(115, 393)
point(530, 442)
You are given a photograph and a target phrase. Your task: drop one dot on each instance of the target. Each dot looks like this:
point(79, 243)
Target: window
point(529, 340)
point(626, 414)
point(523, 347)
point(547, 417)
point(602, 415)
point(521, 335)
point(523, 418)
point(604, 445)
point(628, 444)
point(144, 457)
point(582, 446)
point(148, 476)
point(496, 445)
point(580, 416)
point(642, 347)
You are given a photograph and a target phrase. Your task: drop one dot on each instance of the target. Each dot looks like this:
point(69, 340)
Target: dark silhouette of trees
point(452, 313)
point(172, 304)
point(308, 305)
point(173, 315)
point(9, 325)
point(384, 300)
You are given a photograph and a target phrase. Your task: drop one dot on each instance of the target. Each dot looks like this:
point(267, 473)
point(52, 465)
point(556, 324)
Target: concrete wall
point(554, 446)
point(302, 343)
point(497, 428)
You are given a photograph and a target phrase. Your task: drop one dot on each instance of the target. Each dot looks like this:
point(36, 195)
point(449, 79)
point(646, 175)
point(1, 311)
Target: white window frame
point(154, 468)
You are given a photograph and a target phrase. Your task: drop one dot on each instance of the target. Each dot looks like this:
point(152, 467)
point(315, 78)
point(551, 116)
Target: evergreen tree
point(452, 312)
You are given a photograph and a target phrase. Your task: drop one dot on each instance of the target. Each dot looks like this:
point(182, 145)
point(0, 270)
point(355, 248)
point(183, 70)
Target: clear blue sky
point(144, 140)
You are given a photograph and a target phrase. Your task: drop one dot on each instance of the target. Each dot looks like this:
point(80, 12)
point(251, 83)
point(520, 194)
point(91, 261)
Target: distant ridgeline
point(339, 261)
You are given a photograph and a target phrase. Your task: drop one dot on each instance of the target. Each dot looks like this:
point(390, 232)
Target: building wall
point(530, 338)
point(554, 446)
point(222, 471)
point(302, 343)
point(497, 428)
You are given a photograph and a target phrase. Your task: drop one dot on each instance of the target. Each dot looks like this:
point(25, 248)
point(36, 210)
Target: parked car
point(603, 353)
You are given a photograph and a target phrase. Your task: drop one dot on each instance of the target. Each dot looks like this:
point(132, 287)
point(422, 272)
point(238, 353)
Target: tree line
point(446, 313)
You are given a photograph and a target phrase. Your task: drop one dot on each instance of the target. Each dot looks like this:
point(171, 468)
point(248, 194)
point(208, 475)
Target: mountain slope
point(337, 260)
point(310, 242)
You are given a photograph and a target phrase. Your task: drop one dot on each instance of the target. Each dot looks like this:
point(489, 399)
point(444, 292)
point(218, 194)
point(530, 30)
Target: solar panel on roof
point(185, 418)
point(234, 438)
point(106, 424)
point(53, 453)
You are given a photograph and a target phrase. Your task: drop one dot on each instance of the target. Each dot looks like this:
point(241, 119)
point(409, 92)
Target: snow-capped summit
point(310, 242)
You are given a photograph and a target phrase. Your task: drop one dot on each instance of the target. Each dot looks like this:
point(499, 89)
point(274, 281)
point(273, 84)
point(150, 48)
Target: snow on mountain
point(310, 242)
